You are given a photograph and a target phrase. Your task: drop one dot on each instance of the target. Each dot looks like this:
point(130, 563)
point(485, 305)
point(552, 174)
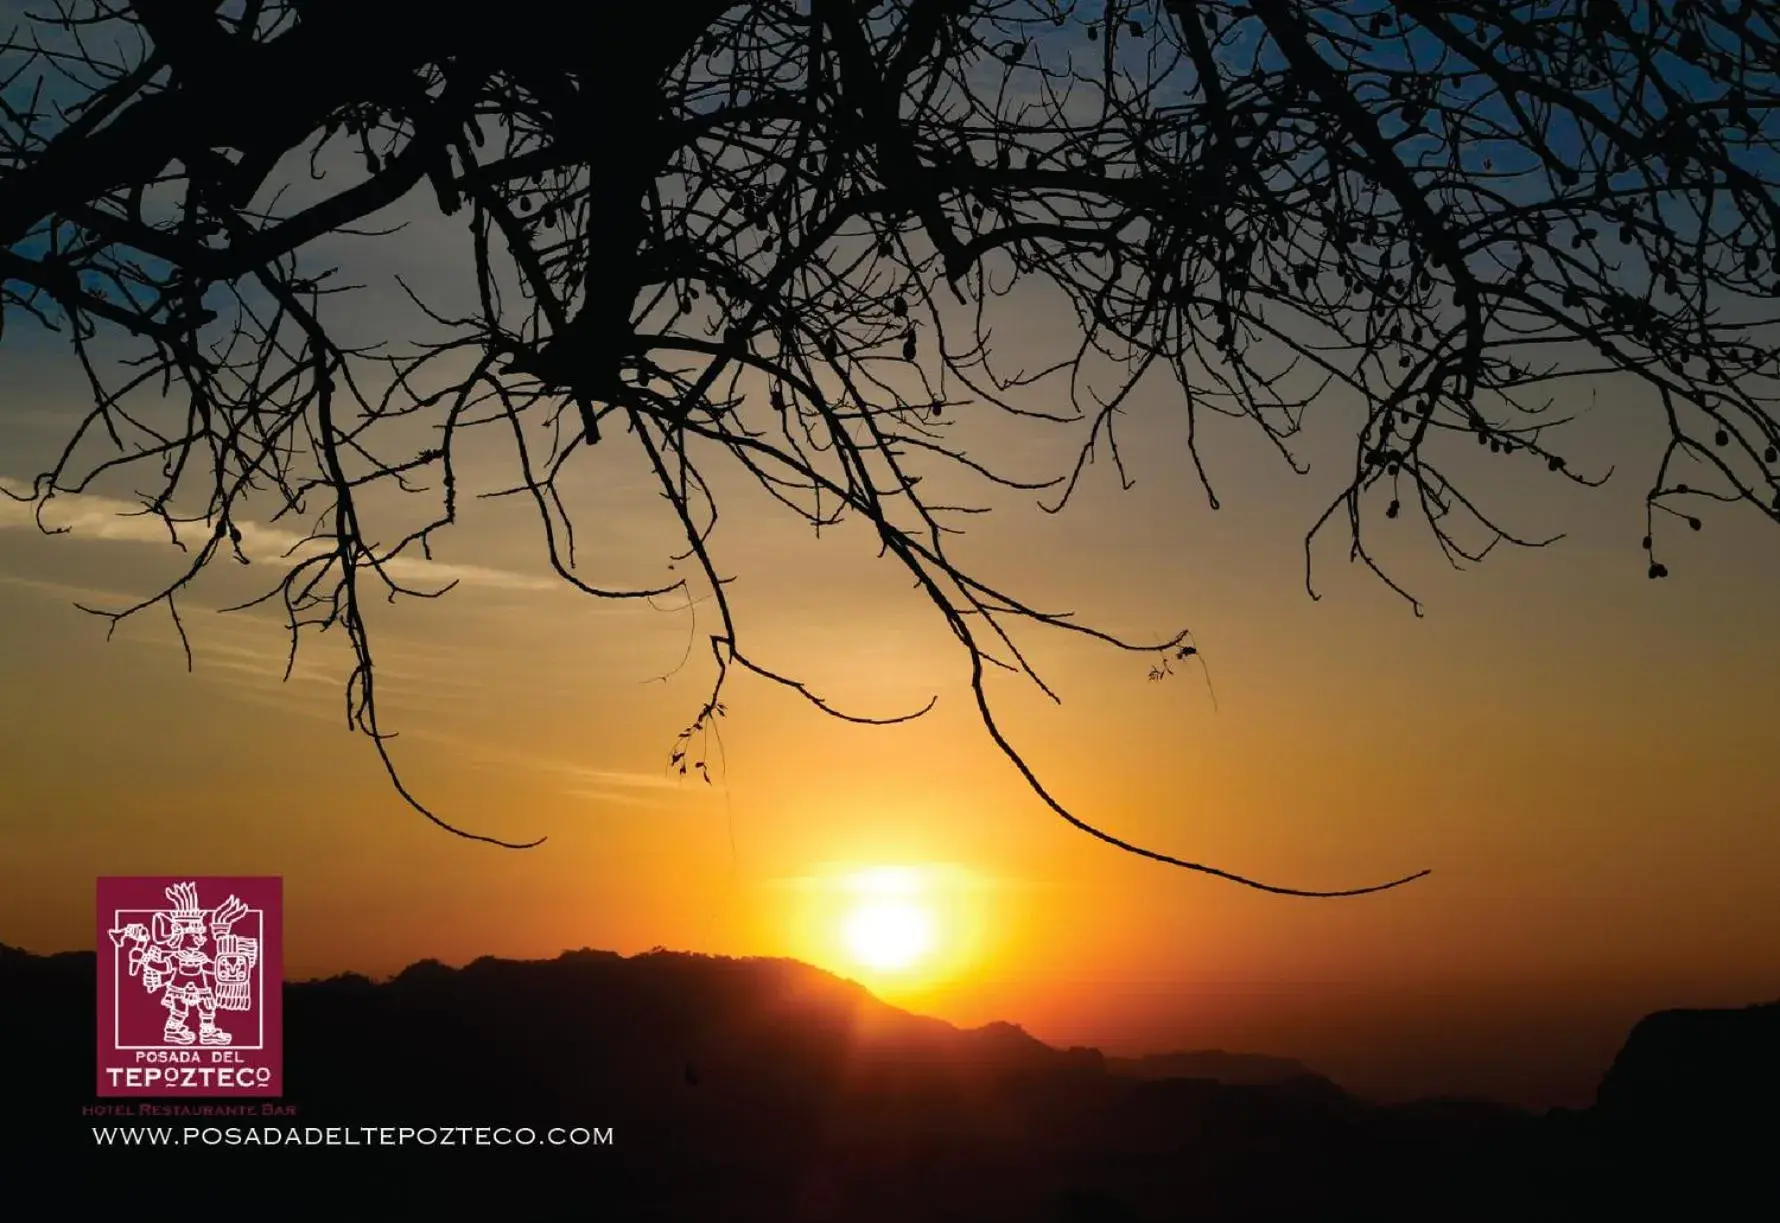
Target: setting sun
point(889, 935)
point(906, 931)
point(889, 927)
point(889, 922)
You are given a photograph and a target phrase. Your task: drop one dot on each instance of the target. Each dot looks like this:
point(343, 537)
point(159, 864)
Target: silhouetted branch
point(778, 234)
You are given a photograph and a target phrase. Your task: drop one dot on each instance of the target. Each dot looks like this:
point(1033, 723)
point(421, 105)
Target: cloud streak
point(89, 516)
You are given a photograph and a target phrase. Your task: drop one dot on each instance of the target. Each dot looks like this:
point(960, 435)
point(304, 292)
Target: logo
point(191, 987)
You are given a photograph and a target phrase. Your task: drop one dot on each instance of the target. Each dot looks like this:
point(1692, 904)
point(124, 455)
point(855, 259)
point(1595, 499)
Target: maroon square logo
point(191, 986)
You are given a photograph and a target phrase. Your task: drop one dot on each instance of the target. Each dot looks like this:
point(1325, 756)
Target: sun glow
point(889, 935)
point(890, 925)
point(901, 931)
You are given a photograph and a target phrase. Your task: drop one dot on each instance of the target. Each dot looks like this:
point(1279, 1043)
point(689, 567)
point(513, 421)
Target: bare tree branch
point(773, 237)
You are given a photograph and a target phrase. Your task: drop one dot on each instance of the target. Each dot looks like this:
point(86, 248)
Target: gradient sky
point(1584, 758)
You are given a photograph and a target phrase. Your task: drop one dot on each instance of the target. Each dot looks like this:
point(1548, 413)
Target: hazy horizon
point(1546, 1062)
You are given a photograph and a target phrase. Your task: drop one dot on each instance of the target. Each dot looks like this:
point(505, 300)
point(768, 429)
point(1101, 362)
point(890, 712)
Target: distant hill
point(1699, 1081)
point(766, 1089)
point(1212, 1064)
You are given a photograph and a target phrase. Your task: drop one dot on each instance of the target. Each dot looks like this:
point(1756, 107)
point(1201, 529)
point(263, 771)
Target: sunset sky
point(1584, 758)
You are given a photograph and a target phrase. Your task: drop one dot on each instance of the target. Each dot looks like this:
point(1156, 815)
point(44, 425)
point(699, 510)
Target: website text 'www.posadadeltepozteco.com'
point(351, 1136)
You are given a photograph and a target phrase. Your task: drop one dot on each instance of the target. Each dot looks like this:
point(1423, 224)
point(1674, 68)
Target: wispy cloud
point(582, 781)
point(605, 778)
point(245, 652)
point(613, 798)
point(90, 516)
point(609, 787)
point(248, 652)
point(90, 596)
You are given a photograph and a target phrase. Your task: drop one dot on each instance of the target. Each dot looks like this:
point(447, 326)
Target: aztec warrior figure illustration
point(171, 957)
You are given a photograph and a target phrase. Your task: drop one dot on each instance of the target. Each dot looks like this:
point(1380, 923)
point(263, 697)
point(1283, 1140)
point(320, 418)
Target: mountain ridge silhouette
point(766, 1088)
point(1218, 1064)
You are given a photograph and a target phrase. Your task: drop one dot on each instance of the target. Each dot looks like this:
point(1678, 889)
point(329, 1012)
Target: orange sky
point(1585, 759)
